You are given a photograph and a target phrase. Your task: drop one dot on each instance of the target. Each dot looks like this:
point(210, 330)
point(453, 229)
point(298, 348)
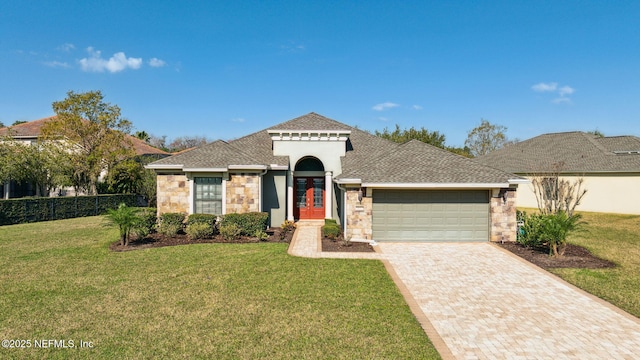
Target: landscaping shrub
point(24, 210)
point(230, 231)
point(146, 223)
point(287, 227)
point(171, 223)
point(202, 218)
point(199, 230)
point(331, 229)
point(261, 235)
point(529, 232)
point(248, 223)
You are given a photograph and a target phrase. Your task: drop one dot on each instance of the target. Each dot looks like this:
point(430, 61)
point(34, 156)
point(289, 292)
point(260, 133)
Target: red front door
point(309, 198)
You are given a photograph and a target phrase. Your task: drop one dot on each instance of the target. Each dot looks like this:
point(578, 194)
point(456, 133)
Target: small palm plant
point(126, 219)
point(555, 229)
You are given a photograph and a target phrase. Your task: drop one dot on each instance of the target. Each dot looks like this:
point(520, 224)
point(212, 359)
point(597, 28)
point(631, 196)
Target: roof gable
point(570, 152)
point(418, 162)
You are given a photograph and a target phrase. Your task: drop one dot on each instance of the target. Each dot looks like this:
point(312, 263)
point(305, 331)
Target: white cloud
point(417, 107)
point(545, 87)
point(155, 62)
point(383, 119)
point(566, 90)
point(66, 47)
point(552, 87)
point(238, 120)
point(384, 106)
point(561, 100)
point(57, 64)
point(118, 62)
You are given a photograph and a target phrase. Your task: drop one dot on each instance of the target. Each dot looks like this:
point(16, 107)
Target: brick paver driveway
point(485, 303)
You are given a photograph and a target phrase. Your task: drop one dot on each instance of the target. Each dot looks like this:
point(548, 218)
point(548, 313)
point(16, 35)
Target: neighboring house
point(313, 167)
point(610, 167)
point(29, 133)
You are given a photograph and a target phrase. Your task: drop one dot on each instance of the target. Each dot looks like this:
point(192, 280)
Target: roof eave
point(436, 185)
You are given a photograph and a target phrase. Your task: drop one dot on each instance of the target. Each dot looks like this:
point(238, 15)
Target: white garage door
point(430, 215)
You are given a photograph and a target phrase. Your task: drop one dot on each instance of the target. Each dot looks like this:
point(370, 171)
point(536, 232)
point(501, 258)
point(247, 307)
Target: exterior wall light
point(360, 195)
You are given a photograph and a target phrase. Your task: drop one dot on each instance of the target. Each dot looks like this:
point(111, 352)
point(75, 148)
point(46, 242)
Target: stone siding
point(359, 216)
point(243, 193)
point(503, 217)
point(173, 194)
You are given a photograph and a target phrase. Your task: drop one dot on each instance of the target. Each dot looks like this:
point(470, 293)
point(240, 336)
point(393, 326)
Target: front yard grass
point(615, 238)
point(59, 281)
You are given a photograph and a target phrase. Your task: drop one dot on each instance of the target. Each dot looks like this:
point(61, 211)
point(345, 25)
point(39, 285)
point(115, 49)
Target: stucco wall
point(329, 152)
point(609, 194)
point(502, 215)
point(274, 196)
point(173, 194)
point(243, 193)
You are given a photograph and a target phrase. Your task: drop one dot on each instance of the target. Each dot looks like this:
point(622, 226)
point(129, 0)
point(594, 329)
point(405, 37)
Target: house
point(313, 167)
point(29, 132)
point(609, 167)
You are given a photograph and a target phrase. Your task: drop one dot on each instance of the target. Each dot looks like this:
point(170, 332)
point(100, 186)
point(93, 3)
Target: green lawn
point(59, 281)
point(615, 238)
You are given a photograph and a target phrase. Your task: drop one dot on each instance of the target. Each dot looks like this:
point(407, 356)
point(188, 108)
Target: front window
point(208, 195)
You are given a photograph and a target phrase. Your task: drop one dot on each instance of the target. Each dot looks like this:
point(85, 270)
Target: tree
point(401, 136)
point(18, 122)
point(92, 133)
point(596, 132)
point(555, 194)
point(186, 142)
point(1, 124)
point(44, 165)
point(126, 219)
point(142, 135)
point(158, 142)
point(486, 138)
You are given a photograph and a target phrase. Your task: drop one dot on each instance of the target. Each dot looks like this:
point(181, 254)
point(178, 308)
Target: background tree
point(596, 132)
point(486, 138)
point(18, 122)
point(142, 135)
point(92, 133)
point(159, 142)
point(186, 142)
point(44, 165)
point(1, 124)
point(403, 135)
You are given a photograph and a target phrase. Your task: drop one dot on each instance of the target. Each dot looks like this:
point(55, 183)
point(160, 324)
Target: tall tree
point(486, 138)
point(403, 135)
point(1, 124)
point(92, 132)
point(186, 142)
point(44, 165)
point(142, 135)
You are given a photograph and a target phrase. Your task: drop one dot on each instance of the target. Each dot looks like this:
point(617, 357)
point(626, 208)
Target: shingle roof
point(573, 152)
point(368, 157)
point(32, 129)
point(417, 162)
point(218, 154)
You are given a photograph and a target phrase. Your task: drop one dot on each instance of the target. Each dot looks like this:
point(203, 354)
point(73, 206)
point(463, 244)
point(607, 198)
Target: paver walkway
point(485, 303)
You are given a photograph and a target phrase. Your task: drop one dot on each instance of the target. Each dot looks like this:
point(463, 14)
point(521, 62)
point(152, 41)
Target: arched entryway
point(309, 189)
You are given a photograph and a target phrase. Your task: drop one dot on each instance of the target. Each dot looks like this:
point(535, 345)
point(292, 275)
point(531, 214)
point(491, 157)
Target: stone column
point(328, 195)
point(290, 196)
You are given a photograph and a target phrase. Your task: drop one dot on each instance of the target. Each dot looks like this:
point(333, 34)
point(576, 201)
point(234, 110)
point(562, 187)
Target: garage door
point(428, 215)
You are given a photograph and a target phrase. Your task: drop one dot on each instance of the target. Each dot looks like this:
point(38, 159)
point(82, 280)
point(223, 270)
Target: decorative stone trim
point(359, 216)
point(243, 193)
point(173, 194)
point(502, 209)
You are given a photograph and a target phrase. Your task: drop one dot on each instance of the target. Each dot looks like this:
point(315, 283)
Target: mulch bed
point(574, 257)
point(338, 245)
point(158, 240)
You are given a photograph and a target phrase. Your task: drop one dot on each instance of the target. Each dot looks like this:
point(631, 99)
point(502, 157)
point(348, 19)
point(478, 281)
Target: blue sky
point(225, 69)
